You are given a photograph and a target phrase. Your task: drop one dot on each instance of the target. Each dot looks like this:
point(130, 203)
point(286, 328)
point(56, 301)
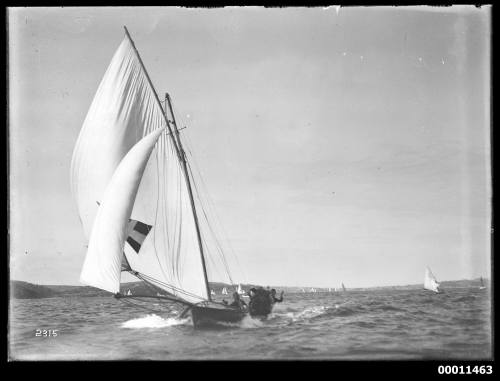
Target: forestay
point(123, 111)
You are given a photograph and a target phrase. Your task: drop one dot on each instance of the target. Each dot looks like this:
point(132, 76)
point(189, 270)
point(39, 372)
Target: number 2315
point(46, 332)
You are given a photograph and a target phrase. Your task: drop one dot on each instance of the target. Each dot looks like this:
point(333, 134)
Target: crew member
point(274, 299)
point(237, 302)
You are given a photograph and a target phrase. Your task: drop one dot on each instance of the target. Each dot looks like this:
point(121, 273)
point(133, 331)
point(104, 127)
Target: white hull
point(434, 291)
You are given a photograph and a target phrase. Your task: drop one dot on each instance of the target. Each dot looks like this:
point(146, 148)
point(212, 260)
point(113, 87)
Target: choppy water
point(358, 325)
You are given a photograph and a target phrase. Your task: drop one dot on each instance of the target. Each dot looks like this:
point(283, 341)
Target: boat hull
point(209, 316)
point(434, 291)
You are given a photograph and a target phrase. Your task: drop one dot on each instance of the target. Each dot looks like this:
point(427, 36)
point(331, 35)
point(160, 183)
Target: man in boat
point(273, 297)
point(260, 302)
point(237, 302)
point(251, 292)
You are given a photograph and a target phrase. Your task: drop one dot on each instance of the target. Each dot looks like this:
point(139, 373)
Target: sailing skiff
point(430, 281)
point(482, 287)
point(131, 181)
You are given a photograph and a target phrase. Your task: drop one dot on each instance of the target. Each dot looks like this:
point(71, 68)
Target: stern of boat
point(215, 316)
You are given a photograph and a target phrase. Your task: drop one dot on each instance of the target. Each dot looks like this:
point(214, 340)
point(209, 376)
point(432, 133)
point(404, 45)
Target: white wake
point(154, 321)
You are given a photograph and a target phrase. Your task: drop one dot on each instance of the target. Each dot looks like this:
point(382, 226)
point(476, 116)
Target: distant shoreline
point(25, 290)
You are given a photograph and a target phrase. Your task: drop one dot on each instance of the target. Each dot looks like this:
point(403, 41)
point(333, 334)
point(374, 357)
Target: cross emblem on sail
point(138, 232)
point(121, 141)
point(136, 236)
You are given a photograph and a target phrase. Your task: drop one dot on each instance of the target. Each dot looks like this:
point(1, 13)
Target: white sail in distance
point(240, 290)
point(123, 111)
point(430, 282)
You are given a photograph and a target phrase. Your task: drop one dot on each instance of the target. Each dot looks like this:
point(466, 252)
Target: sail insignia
point(138, 232)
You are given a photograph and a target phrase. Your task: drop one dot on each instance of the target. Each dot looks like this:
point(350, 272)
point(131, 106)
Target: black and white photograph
point(250, 183)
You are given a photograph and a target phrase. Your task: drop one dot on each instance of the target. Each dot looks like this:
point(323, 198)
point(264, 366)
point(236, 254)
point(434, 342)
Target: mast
point(180, 153)
point(182, 157)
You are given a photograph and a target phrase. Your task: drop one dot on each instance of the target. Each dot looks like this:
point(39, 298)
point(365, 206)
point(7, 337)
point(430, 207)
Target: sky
point(337, 145)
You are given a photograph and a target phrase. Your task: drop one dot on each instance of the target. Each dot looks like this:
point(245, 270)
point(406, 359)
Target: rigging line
point(153, 280)
point(198, 194)
point(212, 260)
point(147, 278)
point(162, 297)
point(179, 295)
point(211, 203)
point(166, 196)
point(156, 211)
point(176, 250)
point(150, 286)
point(215, 239)
point(218, 244)
point(211, 257)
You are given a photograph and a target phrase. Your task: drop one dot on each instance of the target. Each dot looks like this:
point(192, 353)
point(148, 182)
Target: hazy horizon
point(347, 145)
point(271, 285)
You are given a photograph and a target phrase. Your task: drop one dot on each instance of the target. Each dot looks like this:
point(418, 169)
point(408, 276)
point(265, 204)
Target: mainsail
point(430, 282)
point(124, 110)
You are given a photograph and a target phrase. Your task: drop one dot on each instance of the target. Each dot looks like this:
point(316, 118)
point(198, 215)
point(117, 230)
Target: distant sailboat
point(329, 289)
point(242, 292)
point(212, 292)
point(224, 291)
point(313, 290)
point(129, 292)
point(482, 287)
point(430, 281)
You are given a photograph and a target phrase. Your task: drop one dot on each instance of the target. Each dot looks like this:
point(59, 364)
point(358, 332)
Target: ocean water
point(354, 325)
